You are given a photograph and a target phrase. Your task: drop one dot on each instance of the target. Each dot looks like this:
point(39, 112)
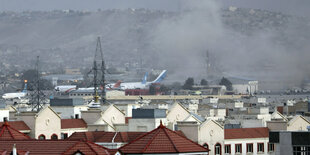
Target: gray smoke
point(277, 58)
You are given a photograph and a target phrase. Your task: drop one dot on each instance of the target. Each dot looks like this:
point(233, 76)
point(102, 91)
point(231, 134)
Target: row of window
point(301, 150)
point(53, 137)
point(249, 148)
point(238, 148)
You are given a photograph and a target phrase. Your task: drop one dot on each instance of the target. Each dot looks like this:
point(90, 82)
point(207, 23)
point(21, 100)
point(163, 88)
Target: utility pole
point(37, 97)
point(99, 68)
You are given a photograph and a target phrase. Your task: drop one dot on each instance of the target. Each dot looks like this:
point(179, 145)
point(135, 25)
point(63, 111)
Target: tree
point(164, 89)
point(204, 82)
point(31, 75)
point(189, 83)
point(152, 90)
point(226, 83)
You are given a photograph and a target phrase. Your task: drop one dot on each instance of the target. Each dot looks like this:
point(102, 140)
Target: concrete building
point(103, 119)
point(68, 108)
point(127, 108)
point(176, 113)
point(145, 120)
point(290, 142)
point(298, 123)
point(4, 113)
point(70, 126)
point(162, 141)
point(209, 134)
point(247, 141)
point(46, 124)
point(217, 114)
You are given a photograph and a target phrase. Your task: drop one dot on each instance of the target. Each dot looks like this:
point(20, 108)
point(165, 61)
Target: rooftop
point(18, 125)
point(241, 133)
point(9, 133)
point(73, 123)
point(54, 147)
point(107, 137)
point(161, 141)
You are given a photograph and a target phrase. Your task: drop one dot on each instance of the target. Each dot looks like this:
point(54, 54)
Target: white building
point(244, 141)
point(146, 120)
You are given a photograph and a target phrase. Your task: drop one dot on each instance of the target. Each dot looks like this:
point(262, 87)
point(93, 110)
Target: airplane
point(140, 85)
point(65, 88)
point(18, 95)
point(114, 86)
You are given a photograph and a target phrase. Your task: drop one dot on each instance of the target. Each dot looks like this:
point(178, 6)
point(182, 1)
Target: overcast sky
point(297, 7)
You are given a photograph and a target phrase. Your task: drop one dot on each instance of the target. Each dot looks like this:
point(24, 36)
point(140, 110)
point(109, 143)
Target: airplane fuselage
point(14, 95)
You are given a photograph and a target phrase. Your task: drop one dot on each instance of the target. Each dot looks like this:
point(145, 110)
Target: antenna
point(37, 96)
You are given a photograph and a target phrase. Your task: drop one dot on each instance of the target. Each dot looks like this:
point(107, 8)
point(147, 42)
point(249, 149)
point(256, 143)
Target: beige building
point(70, 126)
point(176, 113)
point(105, 119)
point(298, 123)
point(209, 134)
point(46, 124)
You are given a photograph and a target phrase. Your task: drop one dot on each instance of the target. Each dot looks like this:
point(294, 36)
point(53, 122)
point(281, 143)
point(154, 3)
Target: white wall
point(71, 131)
point(232, 142)
point(238, 104)
point(145, 124)
point(47, 123)
point(211, 133)
point(4, 113)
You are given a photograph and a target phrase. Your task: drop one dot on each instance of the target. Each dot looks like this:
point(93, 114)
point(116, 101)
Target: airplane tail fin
point(145, 78)
point(160, 77)
point(25, 88)
point(117, 84)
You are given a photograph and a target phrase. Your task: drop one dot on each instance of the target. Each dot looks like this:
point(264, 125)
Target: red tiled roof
point(161, 140)
point(113, 151)
point(241, 133)
point(88, 148)
point(89, 136)
point(18, 125)
point(53, 147)
point(9, 133)
point(102, 136)
point(73, 123)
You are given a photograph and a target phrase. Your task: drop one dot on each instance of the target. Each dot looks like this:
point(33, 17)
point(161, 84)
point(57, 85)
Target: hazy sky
point(299, 7)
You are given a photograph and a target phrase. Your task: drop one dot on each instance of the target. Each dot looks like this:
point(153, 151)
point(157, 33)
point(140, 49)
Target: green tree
point(204, 82)
point(152, 90)
point(189, 83)
point(224, 81)
point(31, 75)
point(164, 89)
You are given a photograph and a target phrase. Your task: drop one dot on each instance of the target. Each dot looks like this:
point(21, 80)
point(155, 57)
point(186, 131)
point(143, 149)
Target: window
point(249, 147)
point(238, 148)
point(301, 150)
point(227, 149)
point(218, 149)
point(41, 137)
point(54, 137)
point(260, 147)
point(64, 135)
point(205, 145)
point(270, 147)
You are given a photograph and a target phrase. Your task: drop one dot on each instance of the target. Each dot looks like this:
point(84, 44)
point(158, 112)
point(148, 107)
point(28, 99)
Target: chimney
point(14, 152)
point(5, 120)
